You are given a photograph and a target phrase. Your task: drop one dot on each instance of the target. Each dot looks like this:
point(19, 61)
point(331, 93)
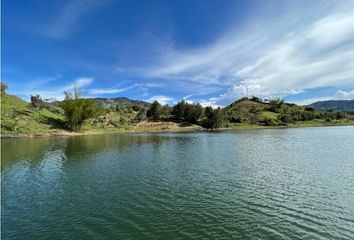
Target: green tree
point(178, 110)
point(154, 111)
point(3, 87)
point(193, 113)
point(78, 110)
point(275, 104)
point(214, 118)
point(37, 102)
point(165, 111)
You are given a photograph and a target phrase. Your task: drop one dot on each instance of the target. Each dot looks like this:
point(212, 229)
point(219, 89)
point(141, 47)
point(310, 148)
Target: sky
point(212, 52)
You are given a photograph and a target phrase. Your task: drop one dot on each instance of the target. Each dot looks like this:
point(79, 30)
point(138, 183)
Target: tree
point(3, 87)
point(214, 118)
point(275, 104)
point(72, 95)
point(193, 113)
point(154, 111)
point(78, 110)
point(165, 111)
point(37, 102)
point(178, 110)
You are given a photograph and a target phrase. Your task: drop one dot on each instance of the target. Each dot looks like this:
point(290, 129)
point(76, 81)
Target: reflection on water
point(265, 184)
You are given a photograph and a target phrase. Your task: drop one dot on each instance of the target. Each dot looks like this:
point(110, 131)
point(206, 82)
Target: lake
point(242, 184)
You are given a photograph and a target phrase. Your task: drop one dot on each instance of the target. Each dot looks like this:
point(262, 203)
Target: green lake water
point(245, 184)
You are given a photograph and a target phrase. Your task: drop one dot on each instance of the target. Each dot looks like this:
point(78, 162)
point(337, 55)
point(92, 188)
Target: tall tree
point(154, 111)
point(214, 118)
point(178, 110)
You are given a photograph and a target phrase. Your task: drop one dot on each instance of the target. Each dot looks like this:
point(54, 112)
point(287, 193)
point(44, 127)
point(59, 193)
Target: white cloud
point(36, 87)
point(82, 82)
point(339, 95)
point(109, 90)
point(279, 57)
point(163, 100)
point(343, 95)
point(66, 22)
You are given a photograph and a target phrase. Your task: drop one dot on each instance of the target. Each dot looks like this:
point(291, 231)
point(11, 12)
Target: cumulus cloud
point(163, 100)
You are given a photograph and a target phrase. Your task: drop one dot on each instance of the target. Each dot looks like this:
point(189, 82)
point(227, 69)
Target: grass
point(17, 117)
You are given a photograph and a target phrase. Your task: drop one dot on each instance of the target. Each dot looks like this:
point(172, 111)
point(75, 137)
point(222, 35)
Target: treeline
point(187, 112)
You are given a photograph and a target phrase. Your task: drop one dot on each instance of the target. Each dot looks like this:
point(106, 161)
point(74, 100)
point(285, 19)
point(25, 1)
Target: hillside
point(18, 117)
point(250, 112)
point(278, 113)
point(334, 105)
point(108, 102)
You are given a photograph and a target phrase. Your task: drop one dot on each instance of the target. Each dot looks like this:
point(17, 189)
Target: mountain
point(107, 102)
point(334, 105)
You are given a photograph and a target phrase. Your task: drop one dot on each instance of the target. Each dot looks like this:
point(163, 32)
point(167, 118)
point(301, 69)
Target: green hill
point(250, 112)
point(17, 117)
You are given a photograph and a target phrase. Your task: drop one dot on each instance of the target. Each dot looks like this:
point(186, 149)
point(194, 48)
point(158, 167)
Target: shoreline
point(194, 128)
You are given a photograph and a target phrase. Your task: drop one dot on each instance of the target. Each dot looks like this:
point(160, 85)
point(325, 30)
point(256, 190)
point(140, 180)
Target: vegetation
point(37, 102)
point(80, 114)
point(76, 111)
point(214, 118)
point(3, 87)
point(155, 110)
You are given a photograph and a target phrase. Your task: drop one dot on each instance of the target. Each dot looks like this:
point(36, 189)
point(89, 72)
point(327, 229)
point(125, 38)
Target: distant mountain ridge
point(334, 105)
point(108, 102)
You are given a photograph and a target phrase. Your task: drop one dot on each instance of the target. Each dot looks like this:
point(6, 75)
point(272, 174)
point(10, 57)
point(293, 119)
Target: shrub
point(77, 111)
point(37, 102)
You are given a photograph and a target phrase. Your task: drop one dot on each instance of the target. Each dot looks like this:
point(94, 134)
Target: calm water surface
point(247, 184)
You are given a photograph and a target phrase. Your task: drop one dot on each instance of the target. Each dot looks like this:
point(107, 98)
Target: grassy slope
point(249, 112)
point(17, 117)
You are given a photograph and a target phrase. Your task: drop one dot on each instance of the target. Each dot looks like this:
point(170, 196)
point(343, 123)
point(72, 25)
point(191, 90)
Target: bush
point(267, 121)
point(37, 102)
point(77, 111)
point(141, 115)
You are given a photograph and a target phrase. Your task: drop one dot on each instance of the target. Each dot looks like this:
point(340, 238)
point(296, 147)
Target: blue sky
point(202, 51)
